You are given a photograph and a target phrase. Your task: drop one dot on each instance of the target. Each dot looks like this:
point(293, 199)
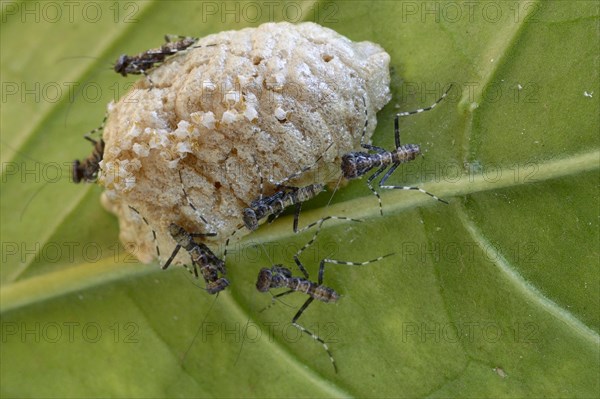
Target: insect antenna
point(281, 183)
point(189, 347)
point(151, 229)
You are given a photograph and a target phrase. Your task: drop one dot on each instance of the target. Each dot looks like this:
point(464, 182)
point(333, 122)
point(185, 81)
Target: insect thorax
point(356, 164)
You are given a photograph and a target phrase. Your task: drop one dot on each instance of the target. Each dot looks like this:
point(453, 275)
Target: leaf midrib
point(23, 293)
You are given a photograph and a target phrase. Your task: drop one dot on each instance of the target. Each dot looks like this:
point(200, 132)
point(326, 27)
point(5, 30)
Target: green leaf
point(494, 295)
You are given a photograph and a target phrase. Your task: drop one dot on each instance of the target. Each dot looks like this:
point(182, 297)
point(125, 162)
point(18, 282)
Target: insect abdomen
point(325, 294)
point(406, 153)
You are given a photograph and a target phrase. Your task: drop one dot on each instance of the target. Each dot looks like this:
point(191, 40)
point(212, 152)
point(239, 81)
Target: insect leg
point(388, 174)
point(312, 335)
point(189, 201)
point(173, 255)
point(362, 137)
point(151, 229)
point(432, 106)
point(397, 131)
point(300, 265)
point(318, 222)
point(370, 180)
point(342, 262)
point(275, 299)
point(227, 242)
point(374, 148)
point(99, 128)
point(297, 215)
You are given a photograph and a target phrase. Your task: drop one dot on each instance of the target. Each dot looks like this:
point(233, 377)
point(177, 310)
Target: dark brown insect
point(357, 164)
point(204, 261)
point(273, 206)
point(87, 170)
point(279, 276)
point(202, 258)
point(142, 62)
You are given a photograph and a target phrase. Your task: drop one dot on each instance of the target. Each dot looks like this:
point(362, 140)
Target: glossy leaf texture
point(493, 295)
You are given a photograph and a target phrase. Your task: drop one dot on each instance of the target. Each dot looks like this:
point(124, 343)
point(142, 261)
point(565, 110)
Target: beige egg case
point(236, 105)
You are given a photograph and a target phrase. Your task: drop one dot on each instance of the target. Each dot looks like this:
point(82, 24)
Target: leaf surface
point(494, 295)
